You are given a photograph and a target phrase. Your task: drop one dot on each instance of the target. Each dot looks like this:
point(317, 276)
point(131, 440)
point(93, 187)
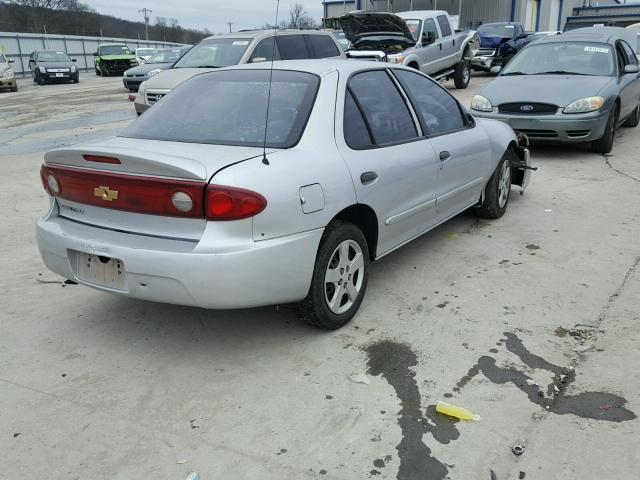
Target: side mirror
point(631, 69)
point(259, 60)
point(471, 122)
point(74, 59)
point(522, 36)
point(496, 69)
point(11, 60)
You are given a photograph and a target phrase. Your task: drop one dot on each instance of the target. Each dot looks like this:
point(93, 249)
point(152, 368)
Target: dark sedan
point(47, 66)
point(157, 63)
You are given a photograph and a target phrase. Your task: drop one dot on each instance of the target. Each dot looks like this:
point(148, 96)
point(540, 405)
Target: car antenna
point(265, 160)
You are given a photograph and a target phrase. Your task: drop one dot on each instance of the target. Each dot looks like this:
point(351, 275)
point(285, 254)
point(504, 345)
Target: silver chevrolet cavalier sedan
point(575, 87)
point(199, 203)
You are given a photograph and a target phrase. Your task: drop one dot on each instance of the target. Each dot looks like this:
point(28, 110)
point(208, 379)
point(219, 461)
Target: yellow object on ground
point(457, 412)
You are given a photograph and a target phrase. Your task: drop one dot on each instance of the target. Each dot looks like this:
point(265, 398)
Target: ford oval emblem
point(526, 108)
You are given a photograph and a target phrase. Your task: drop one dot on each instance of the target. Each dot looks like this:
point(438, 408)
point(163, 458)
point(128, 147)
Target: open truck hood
point(376, 29)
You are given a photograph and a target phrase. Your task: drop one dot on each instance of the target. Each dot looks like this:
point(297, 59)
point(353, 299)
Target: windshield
point(414, 27)
point(115, 50)
point(53, 57)
point(229, 108)
point(502, 31)
point(215, 53)
point(169, 56)
point(572, 58)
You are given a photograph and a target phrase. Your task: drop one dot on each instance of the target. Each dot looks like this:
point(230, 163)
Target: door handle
point(444, 156)
point(367, 178)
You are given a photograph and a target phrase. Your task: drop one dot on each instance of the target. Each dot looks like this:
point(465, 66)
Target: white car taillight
point(182, 202)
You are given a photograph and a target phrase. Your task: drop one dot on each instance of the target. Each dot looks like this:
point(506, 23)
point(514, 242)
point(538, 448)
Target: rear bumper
point(555, 128)
point(248, 274)
point(7, 82)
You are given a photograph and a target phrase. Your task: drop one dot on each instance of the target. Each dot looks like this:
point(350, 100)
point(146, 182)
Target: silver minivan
point(238, 48)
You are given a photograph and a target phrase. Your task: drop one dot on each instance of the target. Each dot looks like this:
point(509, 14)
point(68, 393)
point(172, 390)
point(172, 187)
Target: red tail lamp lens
point(230, 203)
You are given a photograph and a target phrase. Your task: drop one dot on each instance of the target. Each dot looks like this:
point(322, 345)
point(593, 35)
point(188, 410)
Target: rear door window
point(356, 132)
point(445, 28)
point(322, 46)
point(292, 47)
point(385, 111)
point(439, 111)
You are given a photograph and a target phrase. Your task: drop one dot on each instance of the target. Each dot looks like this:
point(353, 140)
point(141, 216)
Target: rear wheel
point(498, 190)
point(462, 75)
point(339, 278)
point(634, 119)
point(605, 144)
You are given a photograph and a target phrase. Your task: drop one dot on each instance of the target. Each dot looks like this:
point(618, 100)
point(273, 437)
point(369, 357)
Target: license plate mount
point(59, 75)
point(101, 271)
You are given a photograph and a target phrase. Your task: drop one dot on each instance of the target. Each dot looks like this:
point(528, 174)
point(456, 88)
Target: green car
point(113, 59)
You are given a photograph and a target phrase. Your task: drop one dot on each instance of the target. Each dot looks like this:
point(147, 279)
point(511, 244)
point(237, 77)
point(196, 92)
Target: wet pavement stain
point(393, 361)
point(584, 405)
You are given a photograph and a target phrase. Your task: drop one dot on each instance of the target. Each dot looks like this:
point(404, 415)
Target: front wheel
point(604, 144)
point(462, 75)
point(498, 190)
point(339, 278)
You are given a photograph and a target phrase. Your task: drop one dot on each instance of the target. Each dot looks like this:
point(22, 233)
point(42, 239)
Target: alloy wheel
point(344, 277)
point(504, 185)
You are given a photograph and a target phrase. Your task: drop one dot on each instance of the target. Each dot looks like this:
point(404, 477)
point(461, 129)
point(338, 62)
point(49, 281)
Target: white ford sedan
point(184, 207)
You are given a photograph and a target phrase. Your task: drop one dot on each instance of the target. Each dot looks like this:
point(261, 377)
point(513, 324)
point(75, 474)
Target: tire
point(498, 190)
point(604, 144)
point(462, 75)
point(343, 256)
point(14, 88)
point(633, 120)
point(39, 80)
point(414, 66)
point(76, 79)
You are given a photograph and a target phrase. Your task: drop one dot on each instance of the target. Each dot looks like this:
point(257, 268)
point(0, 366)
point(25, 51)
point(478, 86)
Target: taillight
point(132, 193)
point(231, 203)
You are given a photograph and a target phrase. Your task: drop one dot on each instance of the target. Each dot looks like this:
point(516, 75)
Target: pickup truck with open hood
point(425, 40)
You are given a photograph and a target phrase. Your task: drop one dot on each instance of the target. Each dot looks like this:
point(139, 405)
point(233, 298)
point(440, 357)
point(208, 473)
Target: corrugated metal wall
point(20, 45)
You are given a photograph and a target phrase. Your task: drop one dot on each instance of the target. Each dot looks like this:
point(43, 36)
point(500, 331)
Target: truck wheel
point(634, 119)
point(339, 278)
point(462, 75)
point(414, 66)
point(604, 145)
point(498, 190)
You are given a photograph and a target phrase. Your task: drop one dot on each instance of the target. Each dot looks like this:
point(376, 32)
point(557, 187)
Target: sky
point(211, 14)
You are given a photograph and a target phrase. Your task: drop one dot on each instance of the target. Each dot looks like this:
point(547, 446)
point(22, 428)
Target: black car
point(49, 65)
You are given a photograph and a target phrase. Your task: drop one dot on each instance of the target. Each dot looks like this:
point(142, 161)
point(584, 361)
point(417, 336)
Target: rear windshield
point(215, 53)
point(115, 50)
point(230, 108)
point(53, 57)
point(502, 31)
point(563, 58)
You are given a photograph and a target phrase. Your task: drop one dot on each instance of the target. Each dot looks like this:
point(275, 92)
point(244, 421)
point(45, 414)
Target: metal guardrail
point(19, 46)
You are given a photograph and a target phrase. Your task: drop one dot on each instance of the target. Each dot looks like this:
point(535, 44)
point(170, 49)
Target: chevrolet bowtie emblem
point(105, 193)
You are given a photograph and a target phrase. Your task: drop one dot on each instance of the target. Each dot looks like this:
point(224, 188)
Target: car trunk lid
point(129, 184)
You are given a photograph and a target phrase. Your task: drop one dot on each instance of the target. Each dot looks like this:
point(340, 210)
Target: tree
point(299, 18)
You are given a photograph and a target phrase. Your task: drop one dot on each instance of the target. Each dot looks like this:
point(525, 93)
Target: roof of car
point(319, 67)
point(265, 33)
point(589, 34)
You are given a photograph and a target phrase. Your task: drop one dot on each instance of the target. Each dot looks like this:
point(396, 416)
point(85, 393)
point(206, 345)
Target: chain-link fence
point(18, 46)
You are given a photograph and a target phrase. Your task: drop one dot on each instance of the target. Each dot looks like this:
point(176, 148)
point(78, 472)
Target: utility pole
point(145, 12)
point(229, 23)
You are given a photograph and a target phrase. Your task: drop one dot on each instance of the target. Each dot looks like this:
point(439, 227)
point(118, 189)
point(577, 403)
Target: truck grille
point(486, 52)
point(528, 108)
